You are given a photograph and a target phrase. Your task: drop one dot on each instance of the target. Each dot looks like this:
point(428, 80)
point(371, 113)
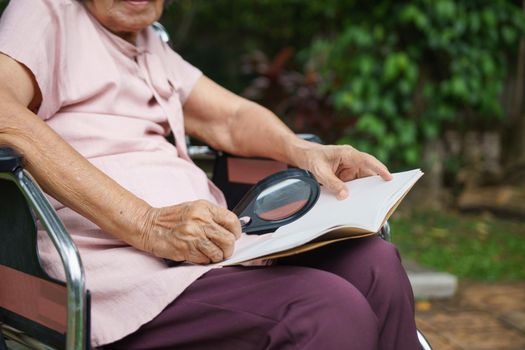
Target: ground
point(487, 254)
point(482, 316)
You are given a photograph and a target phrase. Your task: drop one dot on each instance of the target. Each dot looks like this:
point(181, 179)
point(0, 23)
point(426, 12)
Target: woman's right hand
point(198, 232)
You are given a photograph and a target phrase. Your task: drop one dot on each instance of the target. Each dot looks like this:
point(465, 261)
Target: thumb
point(328, 179)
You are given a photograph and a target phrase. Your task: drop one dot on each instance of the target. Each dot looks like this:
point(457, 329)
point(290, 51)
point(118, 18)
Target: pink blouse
point(114, 103)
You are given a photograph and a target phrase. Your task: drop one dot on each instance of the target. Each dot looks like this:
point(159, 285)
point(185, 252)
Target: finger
point(378, 167)
point(347, 174)
point(227, 219)
point(326, 177)
point(195, 256)
point(183, 247)
point(208, 248)
point(222, 238)
point(368, 172)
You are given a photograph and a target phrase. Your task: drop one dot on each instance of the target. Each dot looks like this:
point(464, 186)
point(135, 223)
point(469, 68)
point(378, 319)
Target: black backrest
point(17, 232)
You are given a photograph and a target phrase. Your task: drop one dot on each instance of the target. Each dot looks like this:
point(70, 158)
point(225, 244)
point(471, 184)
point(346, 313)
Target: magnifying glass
point(277, 200)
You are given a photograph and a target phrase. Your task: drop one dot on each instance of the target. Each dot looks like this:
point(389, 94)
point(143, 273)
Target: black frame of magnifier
point(246, 206)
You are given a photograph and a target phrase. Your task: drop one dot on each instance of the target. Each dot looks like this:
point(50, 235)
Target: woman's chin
point(132, 22)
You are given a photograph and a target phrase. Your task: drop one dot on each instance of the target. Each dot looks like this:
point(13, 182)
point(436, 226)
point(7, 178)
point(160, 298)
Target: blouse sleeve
point(29, 34)
point(184, 74)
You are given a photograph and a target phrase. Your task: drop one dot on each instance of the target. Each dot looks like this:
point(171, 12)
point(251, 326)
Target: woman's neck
point(129, 37)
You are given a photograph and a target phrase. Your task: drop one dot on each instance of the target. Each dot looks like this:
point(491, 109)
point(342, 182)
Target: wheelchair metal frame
point(74, 272)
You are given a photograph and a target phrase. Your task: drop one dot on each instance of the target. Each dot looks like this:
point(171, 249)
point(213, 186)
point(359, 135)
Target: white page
point(367, 197)
point(368, 202)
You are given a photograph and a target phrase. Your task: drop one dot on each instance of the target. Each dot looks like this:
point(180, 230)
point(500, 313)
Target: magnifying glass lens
point(277, 200)
point(282, 200)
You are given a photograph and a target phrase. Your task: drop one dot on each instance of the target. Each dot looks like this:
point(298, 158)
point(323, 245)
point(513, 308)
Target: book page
point(370, 199)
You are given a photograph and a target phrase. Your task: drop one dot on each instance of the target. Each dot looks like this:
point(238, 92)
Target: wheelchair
point(40, 312)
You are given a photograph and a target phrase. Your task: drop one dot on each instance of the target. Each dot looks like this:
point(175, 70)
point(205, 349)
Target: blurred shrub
point(407, 70)
point(394, 73)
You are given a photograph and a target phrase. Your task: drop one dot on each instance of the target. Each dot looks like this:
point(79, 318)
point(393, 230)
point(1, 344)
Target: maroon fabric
point(349, 295)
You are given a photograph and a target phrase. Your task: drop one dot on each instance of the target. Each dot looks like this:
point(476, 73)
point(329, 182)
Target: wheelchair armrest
point(235, 175)
point(9, 160)
point(203, 152)
point(386, 232)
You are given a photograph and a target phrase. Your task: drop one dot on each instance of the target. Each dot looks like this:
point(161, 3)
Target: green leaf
point(509, 34)
point(371, 124)
point(430, 129)
point(390, 68)
point(445, 9)
point(411, 155)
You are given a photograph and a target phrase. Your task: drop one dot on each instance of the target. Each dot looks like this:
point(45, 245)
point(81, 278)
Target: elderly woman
point(88, 93)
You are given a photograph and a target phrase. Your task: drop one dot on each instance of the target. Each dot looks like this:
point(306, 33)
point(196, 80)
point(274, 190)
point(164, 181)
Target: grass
point(477, 247)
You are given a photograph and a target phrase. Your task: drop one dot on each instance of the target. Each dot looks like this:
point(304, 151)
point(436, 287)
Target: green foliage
point(405, 71)
point(396, 73)
point(222, 31)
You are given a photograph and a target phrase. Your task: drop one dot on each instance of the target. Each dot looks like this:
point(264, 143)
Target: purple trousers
point(349, 295)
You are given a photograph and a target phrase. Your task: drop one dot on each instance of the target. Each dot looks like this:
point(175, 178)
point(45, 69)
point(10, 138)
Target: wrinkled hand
point(331, 165)
point(198, 232)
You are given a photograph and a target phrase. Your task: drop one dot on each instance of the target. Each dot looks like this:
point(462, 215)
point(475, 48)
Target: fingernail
point(342, 194)
point(245, 220)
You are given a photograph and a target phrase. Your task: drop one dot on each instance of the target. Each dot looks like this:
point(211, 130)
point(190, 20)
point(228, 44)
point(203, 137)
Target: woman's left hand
point(331, 165)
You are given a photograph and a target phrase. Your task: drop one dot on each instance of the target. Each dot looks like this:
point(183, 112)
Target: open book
point(370, 203)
